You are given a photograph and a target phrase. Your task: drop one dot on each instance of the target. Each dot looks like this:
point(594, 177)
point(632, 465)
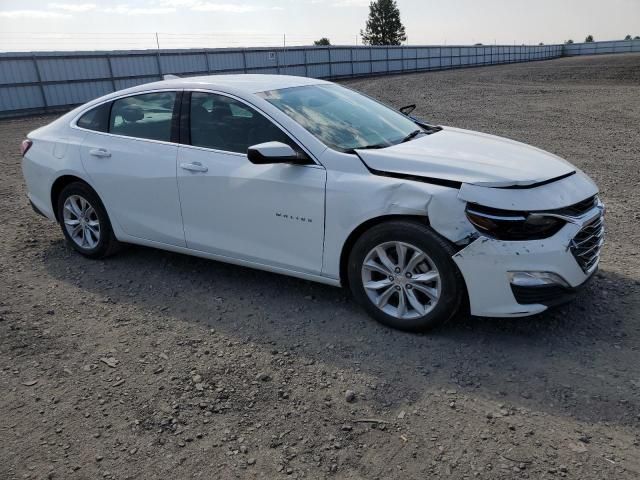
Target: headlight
point(509, 225)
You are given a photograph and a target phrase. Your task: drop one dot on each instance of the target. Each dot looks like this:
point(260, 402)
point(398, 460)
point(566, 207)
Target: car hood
point(468, 157)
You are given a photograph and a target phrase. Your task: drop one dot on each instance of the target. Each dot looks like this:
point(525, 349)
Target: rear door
point(133, 165)
point(268, 214)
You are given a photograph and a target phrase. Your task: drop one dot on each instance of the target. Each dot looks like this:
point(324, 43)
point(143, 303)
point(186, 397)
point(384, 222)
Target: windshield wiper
point(412, 135)
point(368, 147)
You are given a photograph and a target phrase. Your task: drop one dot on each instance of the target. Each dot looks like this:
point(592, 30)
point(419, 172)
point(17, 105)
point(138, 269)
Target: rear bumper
point(36, 209)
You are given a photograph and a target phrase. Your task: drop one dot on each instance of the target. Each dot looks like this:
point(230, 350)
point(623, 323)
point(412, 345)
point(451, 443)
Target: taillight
point(25, 146)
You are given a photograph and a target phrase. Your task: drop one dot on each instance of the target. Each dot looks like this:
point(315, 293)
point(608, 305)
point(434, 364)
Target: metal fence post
point(351, 59)
point(284, 52)
point(159, 64)
point(158, 56)
point(386, 49)
point(39, 76)
point(206, 57)
point(113, 81)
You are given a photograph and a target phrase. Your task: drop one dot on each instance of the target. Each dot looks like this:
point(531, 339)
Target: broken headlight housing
point(512, 225)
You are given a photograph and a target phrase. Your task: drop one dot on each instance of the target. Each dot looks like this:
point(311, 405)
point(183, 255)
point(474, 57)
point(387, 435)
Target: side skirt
point(334, 282)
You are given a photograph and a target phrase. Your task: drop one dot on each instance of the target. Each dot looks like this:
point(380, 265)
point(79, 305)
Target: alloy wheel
point(81, 222)
point(401, 280)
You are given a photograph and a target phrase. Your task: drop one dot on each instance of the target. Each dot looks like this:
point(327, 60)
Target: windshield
point(341, 118)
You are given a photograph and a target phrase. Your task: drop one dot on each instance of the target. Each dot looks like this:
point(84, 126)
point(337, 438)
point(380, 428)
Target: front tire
point(84, 221)
point(402, 273)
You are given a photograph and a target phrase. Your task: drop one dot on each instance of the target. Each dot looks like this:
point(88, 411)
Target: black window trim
point(185, 125)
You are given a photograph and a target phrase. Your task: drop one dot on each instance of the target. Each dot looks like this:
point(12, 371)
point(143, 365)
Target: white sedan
point(311, 179)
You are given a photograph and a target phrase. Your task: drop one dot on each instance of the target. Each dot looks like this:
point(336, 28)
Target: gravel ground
point(158, 365)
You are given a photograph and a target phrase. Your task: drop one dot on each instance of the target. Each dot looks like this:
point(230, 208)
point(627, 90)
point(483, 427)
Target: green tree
point(383, 25)
point(628, 37)
point(589, 39)
point(637, 37)
point(568, 42)
point(322, 41)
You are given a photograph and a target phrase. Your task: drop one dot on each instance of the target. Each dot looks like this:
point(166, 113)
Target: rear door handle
point(100, 152)
point(194, 167)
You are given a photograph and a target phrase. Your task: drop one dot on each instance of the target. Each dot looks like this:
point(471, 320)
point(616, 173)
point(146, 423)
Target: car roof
point(242, 85)
point(248, 83)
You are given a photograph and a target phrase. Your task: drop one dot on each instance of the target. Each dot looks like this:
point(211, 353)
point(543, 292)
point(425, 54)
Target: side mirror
point(275, 152)
point(407, 109)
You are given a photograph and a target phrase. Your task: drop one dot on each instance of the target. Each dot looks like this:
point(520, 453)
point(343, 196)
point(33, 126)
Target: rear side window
point(144, 116)
point(223, 123)
point(96, 119)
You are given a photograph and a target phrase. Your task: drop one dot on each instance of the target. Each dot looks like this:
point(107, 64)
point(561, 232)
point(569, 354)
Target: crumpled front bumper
point(485, 265)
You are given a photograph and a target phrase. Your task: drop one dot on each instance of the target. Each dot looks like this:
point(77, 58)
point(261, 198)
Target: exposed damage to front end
point(531, 255)
point(525, 241)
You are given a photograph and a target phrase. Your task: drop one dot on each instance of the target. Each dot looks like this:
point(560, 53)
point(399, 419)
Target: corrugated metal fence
point(596, 48)
point(46, 81)
point(50, 81)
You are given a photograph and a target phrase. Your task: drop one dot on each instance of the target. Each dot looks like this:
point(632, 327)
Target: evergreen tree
point(383, 25)
point(589, 39)
point(322, 41)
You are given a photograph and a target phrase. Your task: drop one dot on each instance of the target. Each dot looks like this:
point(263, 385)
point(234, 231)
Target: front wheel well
point(57, 188)
point(360, 229)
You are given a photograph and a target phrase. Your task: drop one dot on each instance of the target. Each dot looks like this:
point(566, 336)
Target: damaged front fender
point(348, 209)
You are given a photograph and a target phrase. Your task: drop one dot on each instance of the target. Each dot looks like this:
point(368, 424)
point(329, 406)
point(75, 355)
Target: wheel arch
point(59, 184)
point(363, 227)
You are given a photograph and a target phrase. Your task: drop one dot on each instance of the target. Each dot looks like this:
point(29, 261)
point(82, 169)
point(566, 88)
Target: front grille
point(587, 243)
point(549, 295)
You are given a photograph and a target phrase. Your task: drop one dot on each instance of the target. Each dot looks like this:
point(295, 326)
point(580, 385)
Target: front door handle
point(194, 167)
point(100, 152)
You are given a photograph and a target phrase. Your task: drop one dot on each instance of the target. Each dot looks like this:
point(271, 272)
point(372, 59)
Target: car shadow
point(578, 360)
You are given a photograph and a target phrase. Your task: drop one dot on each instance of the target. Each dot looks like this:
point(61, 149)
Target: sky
point(126, 24)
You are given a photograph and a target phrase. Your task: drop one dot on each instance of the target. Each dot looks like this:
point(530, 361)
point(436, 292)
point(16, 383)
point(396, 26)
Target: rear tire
point(84, 221)
point(403, 274)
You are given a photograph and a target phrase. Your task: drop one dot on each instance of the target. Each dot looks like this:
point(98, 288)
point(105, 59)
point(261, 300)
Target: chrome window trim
point(74, 120)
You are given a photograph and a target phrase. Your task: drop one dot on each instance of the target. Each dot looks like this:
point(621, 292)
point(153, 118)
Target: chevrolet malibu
point(311, 179)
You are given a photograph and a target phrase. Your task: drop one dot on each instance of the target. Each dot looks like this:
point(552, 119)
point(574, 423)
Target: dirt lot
point(157, 365)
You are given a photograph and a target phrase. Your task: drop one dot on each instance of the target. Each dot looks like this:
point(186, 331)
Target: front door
point(268, 214)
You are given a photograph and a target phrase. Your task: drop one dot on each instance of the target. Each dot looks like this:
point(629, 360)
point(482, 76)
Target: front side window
point(143, 116)
point(341, 118)
point(223, 123)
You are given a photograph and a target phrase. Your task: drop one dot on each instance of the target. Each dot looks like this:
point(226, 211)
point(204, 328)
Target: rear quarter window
point(96, 119)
